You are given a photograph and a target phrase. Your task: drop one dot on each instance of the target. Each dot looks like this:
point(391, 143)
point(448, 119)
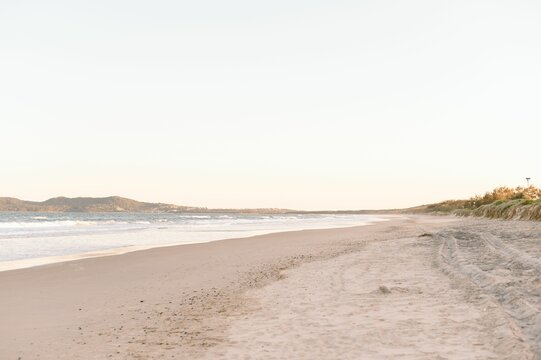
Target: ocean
point(29, 239)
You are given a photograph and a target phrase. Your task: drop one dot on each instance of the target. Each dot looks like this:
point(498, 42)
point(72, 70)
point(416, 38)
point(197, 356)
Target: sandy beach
point(415, 287)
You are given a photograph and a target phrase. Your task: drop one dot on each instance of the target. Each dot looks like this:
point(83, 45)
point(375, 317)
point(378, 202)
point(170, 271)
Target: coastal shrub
point(531, 193)
point(503, 202)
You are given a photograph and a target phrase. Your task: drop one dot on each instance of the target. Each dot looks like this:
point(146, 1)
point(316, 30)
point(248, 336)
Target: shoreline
point(40, 261)
point(237, 297)
point(112, 303)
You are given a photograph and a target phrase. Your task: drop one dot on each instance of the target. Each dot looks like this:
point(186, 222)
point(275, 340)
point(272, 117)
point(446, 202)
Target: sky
point(291, 104)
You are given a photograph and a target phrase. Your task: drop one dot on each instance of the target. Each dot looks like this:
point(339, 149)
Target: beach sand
point(415, 287)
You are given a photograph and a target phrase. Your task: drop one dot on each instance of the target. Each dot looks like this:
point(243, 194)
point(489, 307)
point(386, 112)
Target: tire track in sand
point(510, 276)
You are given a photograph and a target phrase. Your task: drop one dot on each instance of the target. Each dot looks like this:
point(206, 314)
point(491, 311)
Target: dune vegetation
point(522, 203)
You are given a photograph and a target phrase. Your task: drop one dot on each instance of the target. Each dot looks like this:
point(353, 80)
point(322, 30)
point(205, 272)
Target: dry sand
point(468, 289)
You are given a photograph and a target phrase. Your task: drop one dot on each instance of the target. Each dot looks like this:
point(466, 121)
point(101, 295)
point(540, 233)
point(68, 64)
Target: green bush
point(502, 202)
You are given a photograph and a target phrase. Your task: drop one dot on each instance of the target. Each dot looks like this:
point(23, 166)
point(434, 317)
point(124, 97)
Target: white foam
point(31, 245)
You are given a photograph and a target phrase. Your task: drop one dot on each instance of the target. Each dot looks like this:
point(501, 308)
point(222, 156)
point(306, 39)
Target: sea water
point(29, 239)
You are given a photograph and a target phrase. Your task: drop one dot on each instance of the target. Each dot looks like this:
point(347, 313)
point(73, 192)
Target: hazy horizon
point(285, 104)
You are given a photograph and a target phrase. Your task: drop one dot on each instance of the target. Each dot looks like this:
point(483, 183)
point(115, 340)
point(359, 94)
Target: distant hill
point(112, 204)
point(88, 204)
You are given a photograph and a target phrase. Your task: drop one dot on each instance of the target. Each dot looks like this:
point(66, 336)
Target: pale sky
point(295, 104)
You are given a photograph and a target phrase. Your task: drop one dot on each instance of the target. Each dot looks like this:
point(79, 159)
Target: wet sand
point(409, 288)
